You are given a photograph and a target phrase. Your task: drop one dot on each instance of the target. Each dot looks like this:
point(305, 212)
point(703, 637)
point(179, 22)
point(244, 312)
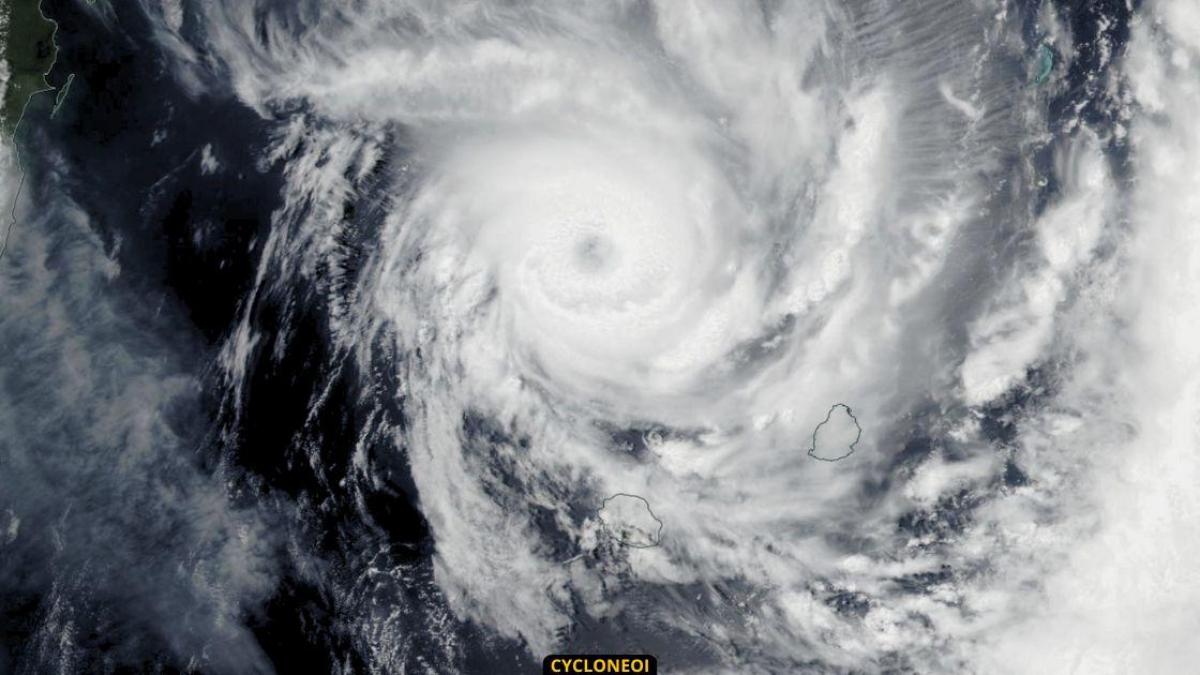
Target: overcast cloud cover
point(527, 347)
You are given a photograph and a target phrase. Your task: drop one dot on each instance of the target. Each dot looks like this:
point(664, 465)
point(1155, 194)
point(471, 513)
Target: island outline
point(812, 450)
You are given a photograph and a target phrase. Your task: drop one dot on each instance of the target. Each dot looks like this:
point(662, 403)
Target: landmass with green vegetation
point(27, 51)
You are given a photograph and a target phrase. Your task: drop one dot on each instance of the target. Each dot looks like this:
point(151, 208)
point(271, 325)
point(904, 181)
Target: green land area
point(27, 49)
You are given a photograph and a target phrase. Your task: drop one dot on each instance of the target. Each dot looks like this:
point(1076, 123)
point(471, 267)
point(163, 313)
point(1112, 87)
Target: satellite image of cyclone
point(523, 336)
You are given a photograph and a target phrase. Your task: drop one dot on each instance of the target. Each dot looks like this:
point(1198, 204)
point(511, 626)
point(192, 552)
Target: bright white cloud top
point(718, 222)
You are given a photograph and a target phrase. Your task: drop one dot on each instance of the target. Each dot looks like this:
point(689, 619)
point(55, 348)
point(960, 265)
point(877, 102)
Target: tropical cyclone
point(676, 226)
point(533, 231)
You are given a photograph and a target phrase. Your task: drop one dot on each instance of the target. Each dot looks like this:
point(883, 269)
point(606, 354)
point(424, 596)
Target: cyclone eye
point(594, 254)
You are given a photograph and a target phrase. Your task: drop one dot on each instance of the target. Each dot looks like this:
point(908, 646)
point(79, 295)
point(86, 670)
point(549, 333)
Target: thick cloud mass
point(764, 337)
